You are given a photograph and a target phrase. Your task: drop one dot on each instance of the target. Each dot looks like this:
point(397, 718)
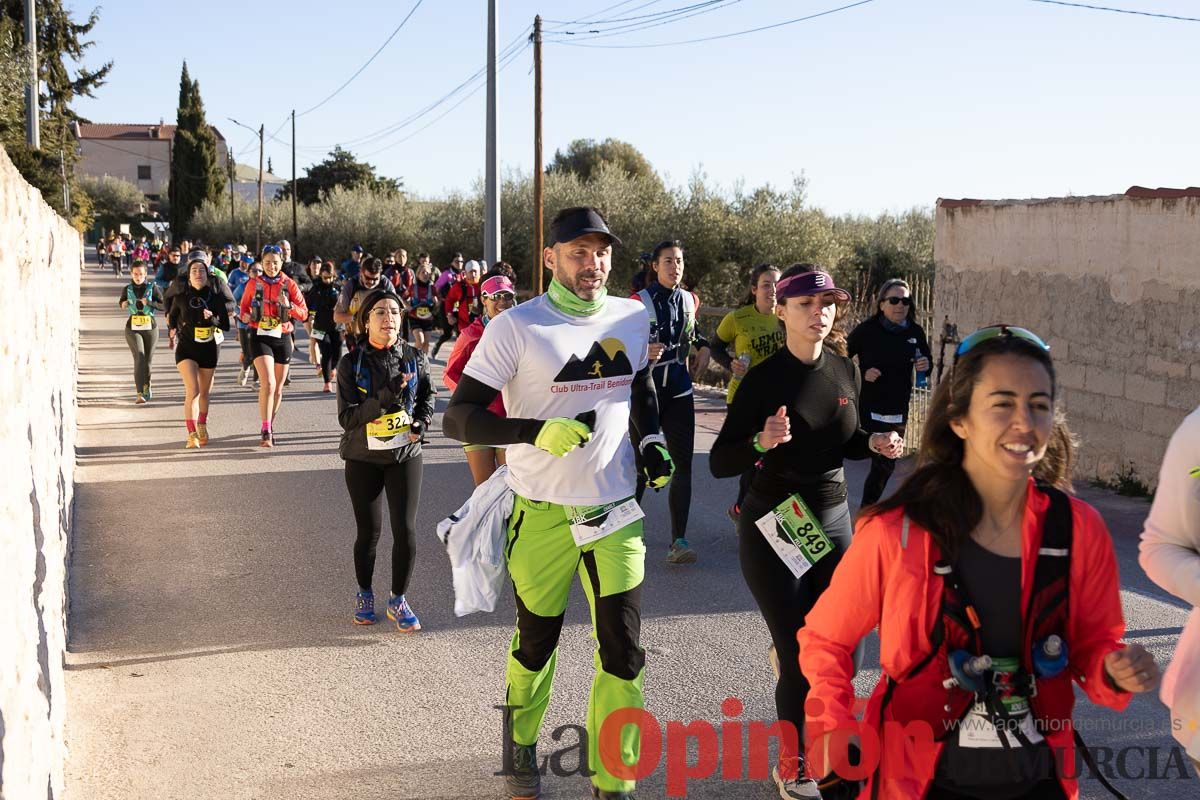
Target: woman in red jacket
point(270, 303)
point(992, 590)
point(460, 306)
point(497, 295)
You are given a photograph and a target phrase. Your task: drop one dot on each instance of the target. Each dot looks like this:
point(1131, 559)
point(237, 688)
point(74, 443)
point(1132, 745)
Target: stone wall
point(1112, 284)
point(40, 259)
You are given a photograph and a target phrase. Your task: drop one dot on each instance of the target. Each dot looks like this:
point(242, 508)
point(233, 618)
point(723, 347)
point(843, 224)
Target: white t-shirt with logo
point(550, 364)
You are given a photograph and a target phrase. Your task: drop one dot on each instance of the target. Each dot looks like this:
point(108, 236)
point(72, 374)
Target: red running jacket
point(464, 346)
point(887, 582)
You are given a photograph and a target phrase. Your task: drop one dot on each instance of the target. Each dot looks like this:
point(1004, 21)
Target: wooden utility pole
point(295, 229)
point(258, 232)
point(232, 175)
point(539, 268)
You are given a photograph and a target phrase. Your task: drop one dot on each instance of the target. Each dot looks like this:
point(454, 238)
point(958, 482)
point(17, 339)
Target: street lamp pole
point(259, 134)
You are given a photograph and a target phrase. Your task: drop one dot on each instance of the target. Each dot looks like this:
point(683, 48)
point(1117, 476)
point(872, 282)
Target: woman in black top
point(323, 332)
point(198, 314)
point(797, 411)
point(141, 299)
point(888, 346)
point(385, 403)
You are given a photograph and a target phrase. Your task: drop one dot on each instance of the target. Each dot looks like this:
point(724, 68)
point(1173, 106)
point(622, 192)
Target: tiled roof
point(1161, 193)
point(127, 131)
point(1137, 192)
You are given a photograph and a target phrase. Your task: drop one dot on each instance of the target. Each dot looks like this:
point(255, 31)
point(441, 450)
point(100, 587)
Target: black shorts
point(279, 349)
point(421, 323)
point(188, 349)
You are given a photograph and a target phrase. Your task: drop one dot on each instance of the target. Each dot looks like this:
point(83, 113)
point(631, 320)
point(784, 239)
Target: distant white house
point(245, 183)
point(137, 152)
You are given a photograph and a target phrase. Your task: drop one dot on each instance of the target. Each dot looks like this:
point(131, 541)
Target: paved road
point(211, 650)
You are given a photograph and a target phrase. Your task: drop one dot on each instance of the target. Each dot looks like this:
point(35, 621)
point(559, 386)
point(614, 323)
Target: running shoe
point(364, 609)
point(202, 432)
point(148, 394)
point(399, 612)
point(268, 439)
point(524, 782)
point(193, 441)
point(140, 400)
point(245, 376)
point(601, 794)
point(797, 787)
point(681, 552)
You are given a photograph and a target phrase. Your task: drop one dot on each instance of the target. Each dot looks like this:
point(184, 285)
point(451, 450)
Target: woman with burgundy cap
point(497, 295)
point(797, 411)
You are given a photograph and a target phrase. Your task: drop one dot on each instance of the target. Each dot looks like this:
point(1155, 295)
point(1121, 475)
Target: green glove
point(657, 465)
point(560, 436)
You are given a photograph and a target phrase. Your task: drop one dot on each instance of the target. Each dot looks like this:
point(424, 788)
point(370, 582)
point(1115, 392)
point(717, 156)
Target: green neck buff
point(568, 302)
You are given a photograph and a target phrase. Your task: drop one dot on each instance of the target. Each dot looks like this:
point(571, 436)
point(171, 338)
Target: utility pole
point(491, 214)
point(258, 232)
point(539, 269)
point(232, 176)
point(295, 230)
point(62, 167)
point(33, 134)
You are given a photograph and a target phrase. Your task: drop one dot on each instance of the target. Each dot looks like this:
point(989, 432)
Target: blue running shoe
point(399, 612)
point(364, 609)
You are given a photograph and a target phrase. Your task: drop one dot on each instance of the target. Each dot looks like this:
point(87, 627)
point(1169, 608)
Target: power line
point(500, 68)
point(669, 18)
point(369, 60)
point(1118, 10)
point(641, 16)
point(584, 20)
point(719, 36)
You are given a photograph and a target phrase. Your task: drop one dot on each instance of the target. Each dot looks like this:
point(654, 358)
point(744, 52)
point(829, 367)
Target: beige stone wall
point(40, 258)
point(1113, 284)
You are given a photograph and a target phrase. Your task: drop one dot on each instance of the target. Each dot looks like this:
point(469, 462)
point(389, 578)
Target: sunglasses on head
point(994, 331)
point(896, 301)
point(272, 248)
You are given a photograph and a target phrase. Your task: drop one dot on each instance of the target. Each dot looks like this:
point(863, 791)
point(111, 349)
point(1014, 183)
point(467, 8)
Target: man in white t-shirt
point(573, 370)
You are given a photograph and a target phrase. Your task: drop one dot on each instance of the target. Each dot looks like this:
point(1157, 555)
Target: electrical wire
point(719, 36)
point(585, 19)
point(364, 66)
point(676, 15)
point(641, 16)
point(1118, 10)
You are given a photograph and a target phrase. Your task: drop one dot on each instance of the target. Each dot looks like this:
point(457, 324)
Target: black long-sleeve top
point(321, 300)
point(186, 307)
point(365, 392)
point(891, 351)
point(822, 406)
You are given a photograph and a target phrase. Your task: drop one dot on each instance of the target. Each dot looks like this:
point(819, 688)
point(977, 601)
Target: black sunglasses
point(895, 301)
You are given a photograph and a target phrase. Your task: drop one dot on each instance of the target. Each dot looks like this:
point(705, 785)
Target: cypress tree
point(195, 176)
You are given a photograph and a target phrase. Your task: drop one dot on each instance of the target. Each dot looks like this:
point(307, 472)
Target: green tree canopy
point(339, 169)
point(195, 175)
point(114, 200)
point(584, 157)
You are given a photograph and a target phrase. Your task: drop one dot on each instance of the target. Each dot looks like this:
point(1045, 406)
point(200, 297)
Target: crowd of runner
point(571, 404)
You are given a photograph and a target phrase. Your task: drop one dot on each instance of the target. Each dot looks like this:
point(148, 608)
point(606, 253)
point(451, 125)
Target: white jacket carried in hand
point(474, 537)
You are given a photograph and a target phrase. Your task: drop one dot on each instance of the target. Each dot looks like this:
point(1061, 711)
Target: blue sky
point(887, 105)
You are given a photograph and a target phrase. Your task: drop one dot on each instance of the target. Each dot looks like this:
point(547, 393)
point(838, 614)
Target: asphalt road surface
point(211, 653)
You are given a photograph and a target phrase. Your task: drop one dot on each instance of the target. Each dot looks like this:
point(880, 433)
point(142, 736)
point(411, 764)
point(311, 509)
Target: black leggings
point(677, 417)
point(366, 483)
point(141, 345)
point(784, 600)
point(331, 351)
point(246, 339)
point(882, 467)
point(447, 328)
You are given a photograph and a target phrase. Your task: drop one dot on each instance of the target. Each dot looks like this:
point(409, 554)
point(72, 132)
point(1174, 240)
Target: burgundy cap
point(808, 283)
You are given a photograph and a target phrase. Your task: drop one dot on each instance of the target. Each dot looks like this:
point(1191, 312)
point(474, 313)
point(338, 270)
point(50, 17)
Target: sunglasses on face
point(897, 301)
point(272, 248)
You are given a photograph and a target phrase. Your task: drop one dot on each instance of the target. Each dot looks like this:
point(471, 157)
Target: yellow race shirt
point(753, 332)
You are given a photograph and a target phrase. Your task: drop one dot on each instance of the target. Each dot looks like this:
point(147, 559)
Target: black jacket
point(186, 307)
point(321, 300)
point(299, 273)
point(365, 393)
point(892, 353)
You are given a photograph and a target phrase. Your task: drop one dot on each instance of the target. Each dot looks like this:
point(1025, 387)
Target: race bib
point(423, 312)
point(139, 322)
point(795, 535)
point(589, 523)
point(318, 335)
point(979, 730)
point(269, 326)
point(204, 335)
point(389, 431)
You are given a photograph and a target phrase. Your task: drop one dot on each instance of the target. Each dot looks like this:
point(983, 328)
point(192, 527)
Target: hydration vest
point(362, 379)
point(683, 347)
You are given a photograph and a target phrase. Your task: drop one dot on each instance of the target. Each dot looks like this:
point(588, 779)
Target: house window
point(143, 172)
